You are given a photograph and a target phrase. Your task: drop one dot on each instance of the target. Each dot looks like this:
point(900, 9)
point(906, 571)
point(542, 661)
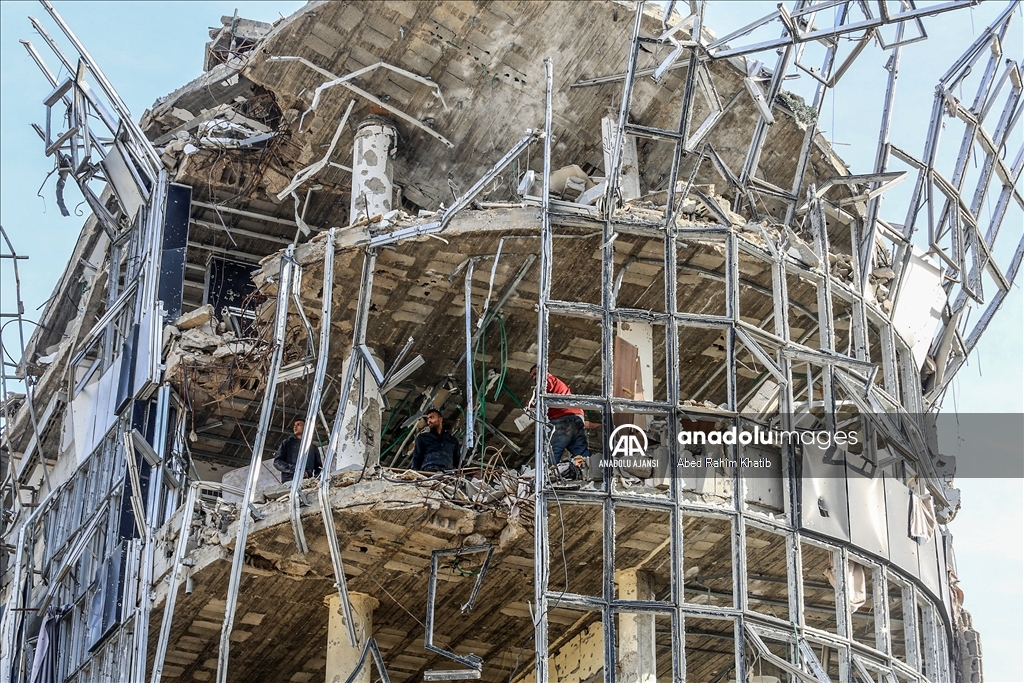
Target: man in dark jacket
point(288, 455)
point(436, 450)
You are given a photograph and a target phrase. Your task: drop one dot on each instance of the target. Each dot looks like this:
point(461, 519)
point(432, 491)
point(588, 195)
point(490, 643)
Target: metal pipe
point(467, 442)
point(119, 106)
point(952, 208)
point(761, 127)
point(334, 443)
point(9, 634)
point(975, 335)
point(316, 394)
point(29, 384)
point(509, 290)
point(809, 135)
point(105, 116)
point(360, 396)
point(13, 611)
point(462, 202)
point(540, 544)
point(612, 174)
point(821, 34)
point(296, 289)
point(172, 589)
point(154, 514)
point(180, 547)
point(609, 638)
point(149, 268)
point(672, 348)
point(608, 342)
point(1003, 130)
point(266, 410)
point(37, 58)
point(155, 505)
point(344, 82)
point(826, 323)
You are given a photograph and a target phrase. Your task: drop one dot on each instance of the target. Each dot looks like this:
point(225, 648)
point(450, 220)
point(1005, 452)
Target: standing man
point(436, 450)
point(288, 455)
point(568, 428)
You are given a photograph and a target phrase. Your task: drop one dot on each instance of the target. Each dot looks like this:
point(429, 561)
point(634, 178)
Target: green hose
point(400, 439)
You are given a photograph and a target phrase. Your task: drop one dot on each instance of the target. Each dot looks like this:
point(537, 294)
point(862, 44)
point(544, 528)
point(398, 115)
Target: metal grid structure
point(9, 366)
point(55, 538)
point(937, 207)
point(98, 524)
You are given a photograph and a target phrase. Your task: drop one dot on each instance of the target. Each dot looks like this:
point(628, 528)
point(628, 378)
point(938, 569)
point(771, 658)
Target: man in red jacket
point(567, 426)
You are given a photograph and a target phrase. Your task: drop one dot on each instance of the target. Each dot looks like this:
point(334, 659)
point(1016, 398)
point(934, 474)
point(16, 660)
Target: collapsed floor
point(390, 524)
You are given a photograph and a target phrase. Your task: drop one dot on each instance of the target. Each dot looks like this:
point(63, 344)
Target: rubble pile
point(201, 346)
point(879, 280)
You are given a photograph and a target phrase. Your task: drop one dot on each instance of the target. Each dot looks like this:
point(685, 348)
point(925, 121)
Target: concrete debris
point(969, 663)
point(48, 358)
point(200, 338)
point(801, 250)
point(569, 182)
point(804, 113)
point(195, 318)
point(883, 274)
point(221, 127)
point(232, 348)
point(205, 344)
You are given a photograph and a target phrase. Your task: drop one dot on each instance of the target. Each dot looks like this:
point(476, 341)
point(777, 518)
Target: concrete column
point(372, 169)
point(342, 657)
point(637, 660)
point(354, 453)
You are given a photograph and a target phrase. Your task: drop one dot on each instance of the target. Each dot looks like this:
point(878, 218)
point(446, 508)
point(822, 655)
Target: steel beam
point(266, 410)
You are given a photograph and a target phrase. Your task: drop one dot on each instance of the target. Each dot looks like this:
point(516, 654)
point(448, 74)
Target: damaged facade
point(368, 210)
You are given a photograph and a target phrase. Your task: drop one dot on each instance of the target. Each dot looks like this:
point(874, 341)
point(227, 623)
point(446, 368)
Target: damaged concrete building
point(368, 210)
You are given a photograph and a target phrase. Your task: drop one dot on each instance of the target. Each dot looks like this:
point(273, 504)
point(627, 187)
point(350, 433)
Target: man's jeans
point(567, 433)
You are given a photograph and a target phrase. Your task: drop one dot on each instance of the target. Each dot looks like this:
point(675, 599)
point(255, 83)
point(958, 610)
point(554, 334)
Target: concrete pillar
point(342, 657)
point(372, 169)
point(354, 453)
point(637, 659)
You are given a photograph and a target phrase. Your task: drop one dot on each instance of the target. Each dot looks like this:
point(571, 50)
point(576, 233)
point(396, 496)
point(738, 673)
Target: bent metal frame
point(945, 210)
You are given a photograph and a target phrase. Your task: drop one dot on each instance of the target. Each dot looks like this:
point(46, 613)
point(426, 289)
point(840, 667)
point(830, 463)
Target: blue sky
point(148, 49)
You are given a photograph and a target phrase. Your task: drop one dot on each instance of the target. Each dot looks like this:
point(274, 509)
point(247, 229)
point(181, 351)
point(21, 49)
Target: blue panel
point(126, 378)
point(230, 282)
point(107, 602)
point(174, 244)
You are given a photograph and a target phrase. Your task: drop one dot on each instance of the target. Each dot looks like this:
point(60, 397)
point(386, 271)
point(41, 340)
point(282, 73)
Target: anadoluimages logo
point(627, 441)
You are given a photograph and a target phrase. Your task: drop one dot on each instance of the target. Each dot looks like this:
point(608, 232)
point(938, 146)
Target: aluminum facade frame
point(284, 284)
point(827, 356)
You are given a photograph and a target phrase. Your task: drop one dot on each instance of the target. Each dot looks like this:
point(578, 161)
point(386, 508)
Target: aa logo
point(628, 441)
